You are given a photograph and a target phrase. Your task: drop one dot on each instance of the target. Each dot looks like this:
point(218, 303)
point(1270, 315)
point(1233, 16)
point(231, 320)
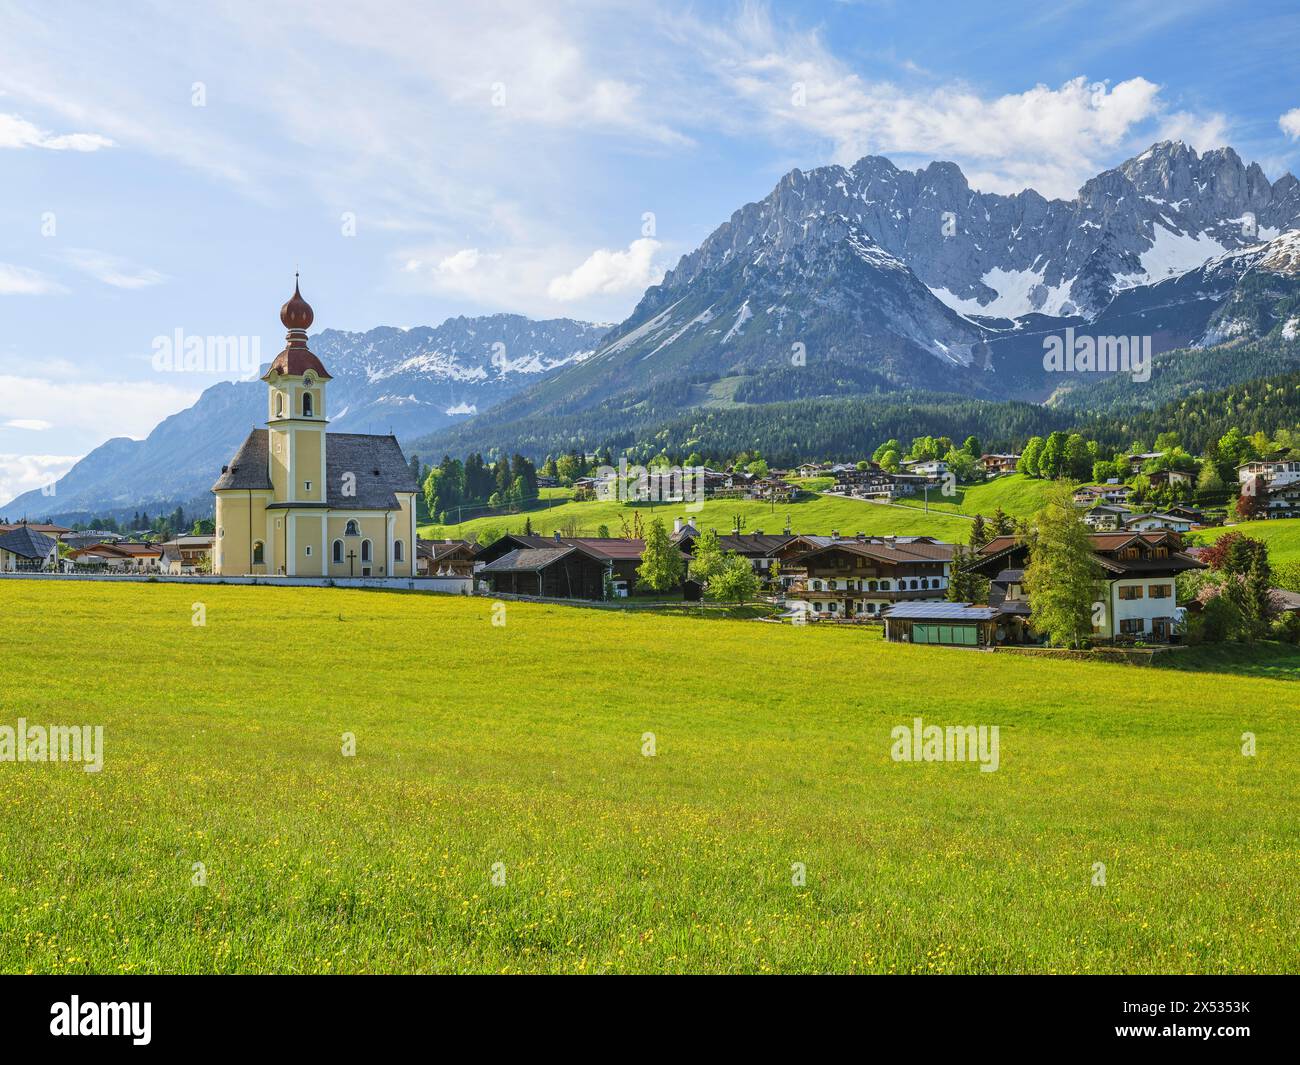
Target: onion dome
point(297, 313)
point(295, 360)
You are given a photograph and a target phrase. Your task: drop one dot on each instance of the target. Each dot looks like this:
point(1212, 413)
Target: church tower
point(296, 382)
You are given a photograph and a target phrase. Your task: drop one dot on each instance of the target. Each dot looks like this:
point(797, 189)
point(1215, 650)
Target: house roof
point(1284, 600)
point(377, 461)
point(436, 549)
point(26, 542)
point(941, 612)
point(533, 559)
point(890, 553)
point(608, 547)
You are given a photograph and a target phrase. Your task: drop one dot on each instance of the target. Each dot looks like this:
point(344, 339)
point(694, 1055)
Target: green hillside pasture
point(1281, 534)
point(820, 514)
point(768, 829)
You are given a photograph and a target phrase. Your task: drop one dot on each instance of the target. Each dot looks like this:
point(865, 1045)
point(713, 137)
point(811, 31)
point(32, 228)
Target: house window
point(397, 550)
point(338, 550)
point(259, 554)
point(306, 405)
point(1160, 591)
point(1132, 591)
point(309, 550)
point(1132, 626)
point(351, 529)
point(365, 550)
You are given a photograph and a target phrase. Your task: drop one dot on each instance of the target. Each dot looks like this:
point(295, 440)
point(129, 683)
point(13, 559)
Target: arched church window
point(397, 550)
point(365, 550)
point(338, 550)
point(279, 404)
point(259, 554)
point(306, 405)
point(351, 528)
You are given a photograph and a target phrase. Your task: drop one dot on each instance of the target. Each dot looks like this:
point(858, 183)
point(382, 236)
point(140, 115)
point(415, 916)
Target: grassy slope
point(1018, 495)
point(819, 515)
point(1281, 534)
point(522, 744)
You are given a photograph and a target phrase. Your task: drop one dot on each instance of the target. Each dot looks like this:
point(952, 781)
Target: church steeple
point(296, 380)
point(296, 360)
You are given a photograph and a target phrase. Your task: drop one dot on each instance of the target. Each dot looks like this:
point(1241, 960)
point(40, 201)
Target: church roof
point(377, 462)
point(294, 361)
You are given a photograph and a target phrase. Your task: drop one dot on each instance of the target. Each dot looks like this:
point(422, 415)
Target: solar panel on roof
point(941, 611)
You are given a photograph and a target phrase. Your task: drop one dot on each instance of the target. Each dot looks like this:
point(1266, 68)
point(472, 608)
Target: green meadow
point(583, 790)
point(820, 514)
point(1281, 534)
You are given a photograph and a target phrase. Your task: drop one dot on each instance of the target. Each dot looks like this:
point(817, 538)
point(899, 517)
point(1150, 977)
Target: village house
point(858, 579)
point(518, 564)
point(1168, 478)
point(55, 532)
point(1106, 516)
point(951, 624)
point(299, 501)
point(1283, 499)
point(1272, 473)
point(1136, 574)
point(444, 558)
point(763, 550)
point(1137, 461)
point(187, 555)
point(1102, 493)
point(23, 548)
point(1151, 521)
point(125, 556)
point(998, 465)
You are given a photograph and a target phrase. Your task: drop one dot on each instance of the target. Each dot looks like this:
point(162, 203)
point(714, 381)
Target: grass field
point(1018, 495)
point(821, 514)
point(1281, 534)
point(518, 750)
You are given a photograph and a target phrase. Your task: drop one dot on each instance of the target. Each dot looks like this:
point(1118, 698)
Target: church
point(298, 501)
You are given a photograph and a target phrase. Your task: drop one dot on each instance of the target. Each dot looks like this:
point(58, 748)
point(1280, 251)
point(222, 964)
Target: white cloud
point(17, 132)
point(112, 269)
point(33, 424)
point(20, 281)
point(463, 262)
point(99, 409)
point(1290, 123)
point(606, 272)
point(24, 473)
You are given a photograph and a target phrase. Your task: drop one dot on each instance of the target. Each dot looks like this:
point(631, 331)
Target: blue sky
point(167, 166)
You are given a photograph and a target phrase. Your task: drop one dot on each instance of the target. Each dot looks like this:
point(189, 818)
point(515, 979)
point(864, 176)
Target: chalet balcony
point(803, 590)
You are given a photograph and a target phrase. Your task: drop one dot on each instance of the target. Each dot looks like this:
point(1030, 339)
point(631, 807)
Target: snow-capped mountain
point(412, 380)
point(871, 274)
point(403, 381)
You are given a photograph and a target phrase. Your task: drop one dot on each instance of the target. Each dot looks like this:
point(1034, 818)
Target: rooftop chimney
point(557, 536)
point(677, 525)
point(690, 522)
point(835, 534)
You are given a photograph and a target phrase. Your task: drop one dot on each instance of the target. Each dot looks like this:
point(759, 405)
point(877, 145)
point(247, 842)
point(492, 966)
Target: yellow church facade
point(299, 501)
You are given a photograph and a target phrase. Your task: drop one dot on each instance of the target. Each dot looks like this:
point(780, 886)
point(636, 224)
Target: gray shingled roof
point(377, 461)
point(27, 543)
point(528, 559)
point(248, 468)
